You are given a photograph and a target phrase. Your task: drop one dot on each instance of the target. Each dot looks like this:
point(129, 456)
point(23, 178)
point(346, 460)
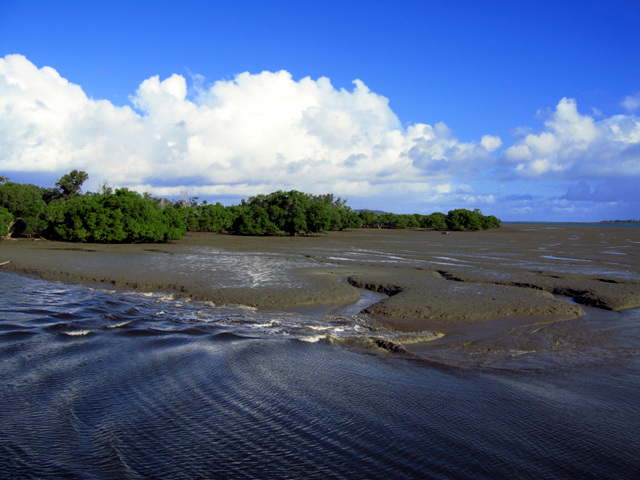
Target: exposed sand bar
point(432, 280)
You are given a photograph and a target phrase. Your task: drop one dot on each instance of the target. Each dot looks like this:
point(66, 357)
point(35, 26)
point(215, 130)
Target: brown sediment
point(431, 281)
point(425, 299)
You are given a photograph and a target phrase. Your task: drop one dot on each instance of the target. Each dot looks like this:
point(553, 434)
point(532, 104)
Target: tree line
point(64, 213)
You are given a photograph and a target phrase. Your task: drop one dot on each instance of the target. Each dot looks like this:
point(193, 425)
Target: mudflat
point(430, 280)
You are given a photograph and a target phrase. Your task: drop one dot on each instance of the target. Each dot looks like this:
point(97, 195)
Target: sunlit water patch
point(241, 269)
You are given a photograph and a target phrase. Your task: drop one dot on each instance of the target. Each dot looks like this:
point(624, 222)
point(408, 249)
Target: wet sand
point(519, 273)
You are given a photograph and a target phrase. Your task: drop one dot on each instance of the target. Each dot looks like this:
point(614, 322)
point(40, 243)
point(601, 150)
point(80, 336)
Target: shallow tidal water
point(102, 384)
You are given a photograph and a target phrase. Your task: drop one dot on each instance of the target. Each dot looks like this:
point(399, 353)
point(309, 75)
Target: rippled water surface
point(99, 384)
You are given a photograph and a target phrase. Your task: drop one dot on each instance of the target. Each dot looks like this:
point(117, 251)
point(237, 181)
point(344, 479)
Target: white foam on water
point(313, 338)
point(271, 324)
point(118, 325)
point(78, 333)
point(246, 307)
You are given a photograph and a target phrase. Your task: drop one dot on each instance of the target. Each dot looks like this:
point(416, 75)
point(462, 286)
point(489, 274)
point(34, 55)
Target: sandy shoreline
point(433, 281)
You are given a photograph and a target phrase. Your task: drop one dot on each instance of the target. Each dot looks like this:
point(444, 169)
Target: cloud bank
point(257, 133)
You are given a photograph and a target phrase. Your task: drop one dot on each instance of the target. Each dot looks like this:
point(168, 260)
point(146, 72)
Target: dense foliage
point(122, 216)
point(291, 213)
point(25, 203)
point(459, 219)
point(65, 213)
point(6, 222)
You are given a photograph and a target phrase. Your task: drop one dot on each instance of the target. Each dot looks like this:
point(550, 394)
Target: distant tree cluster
point(621, 222)
point(459, 219)
point(65, 213)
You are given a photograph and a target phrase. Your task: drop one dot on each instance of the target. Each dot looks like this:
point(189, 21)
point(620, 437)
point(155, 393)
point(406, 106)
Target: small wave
point(271, 324)
point(142, 332)
point(246, 307)
point(230, 336)
point(17, 334)
point(195, 330)
point(9, 327)
point(77, 333)
point(313, 338)
point(65, 316)
point(119, 324)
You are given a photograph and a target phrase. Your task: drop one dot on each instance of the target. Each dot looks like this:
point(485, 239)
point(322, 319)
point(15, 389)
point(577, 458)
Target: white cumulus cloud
point(257, 132)
point(578, 146)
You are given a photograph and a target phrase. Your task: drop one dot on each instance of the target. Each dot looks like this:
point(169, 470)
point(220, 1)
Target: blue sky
point(526, 110)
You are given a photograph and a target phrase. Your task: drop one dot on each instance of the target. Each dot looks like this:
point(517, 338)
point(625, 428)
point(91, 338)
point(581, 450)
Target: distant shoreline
point(605, 223)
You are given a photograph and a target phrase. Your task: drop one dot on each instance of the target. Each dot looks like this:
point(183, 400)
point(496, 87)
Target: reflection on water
point(241, 269)
point(566, 259)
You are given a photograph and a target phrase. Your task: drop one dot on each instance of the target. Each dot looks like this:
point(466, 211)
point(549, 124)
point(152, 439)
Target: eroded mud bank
point(431, 280)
